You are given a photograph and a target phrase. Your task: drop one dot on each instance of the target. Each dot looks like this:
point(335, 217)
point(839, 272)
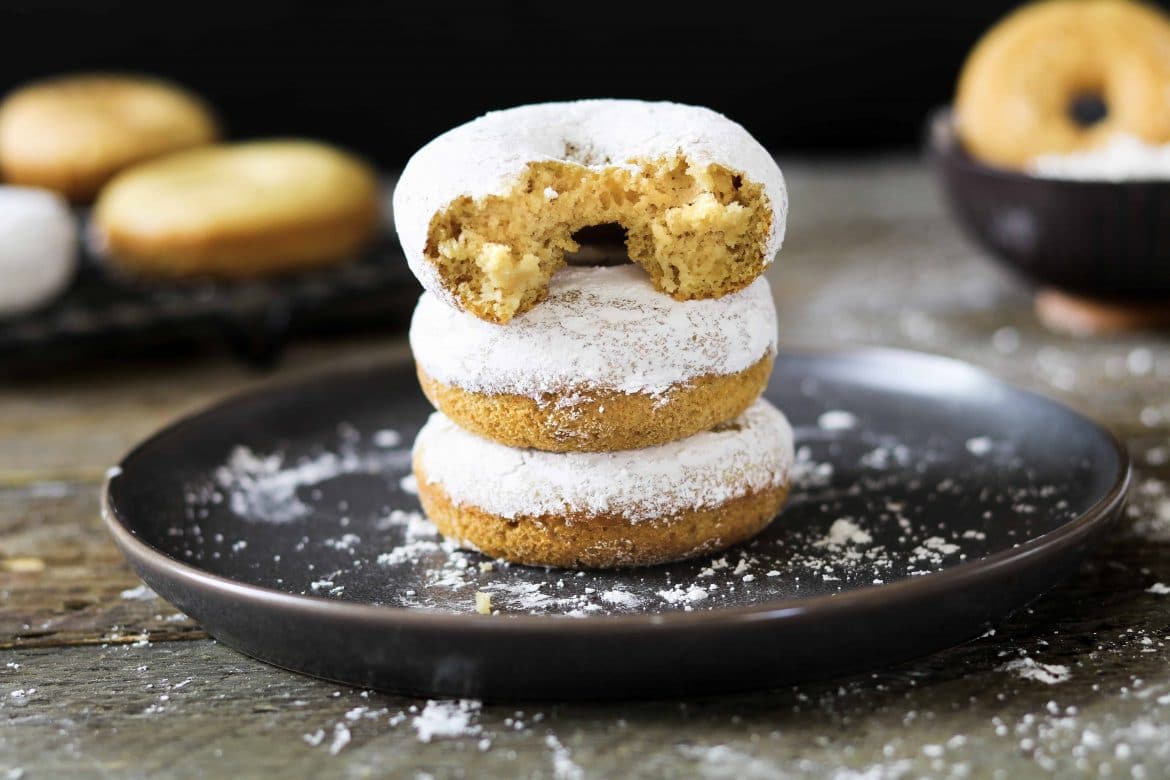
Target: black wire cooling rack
point(104, 314)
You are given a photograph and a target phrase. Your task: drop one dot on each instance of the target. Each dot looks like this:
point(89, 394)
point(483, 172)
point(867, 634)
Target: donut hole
point(600, 245)
point(1088, 108)
point(700, 231)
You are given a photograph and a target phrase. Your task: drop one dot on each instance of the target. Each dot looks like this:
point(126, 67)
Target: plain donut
point(1019, 83)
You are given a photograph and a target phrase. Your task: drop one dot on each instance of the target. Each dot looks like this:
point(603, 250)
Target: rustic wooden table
point(99, 678)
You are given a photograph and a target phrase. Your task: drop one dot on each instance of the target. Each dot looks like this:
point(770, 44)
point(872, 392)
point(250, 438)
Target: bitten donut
point(38, 248)
point(605, 363)
point(601, 510)
point(487, 211)
point(72, 133)
point(237, 210)
point(1021, 86)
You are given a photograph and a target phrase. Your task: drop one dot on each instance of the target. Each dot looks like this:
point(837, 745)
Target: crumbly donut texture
point(1019, 83)
point(238, 210)
point(38, 248)
point(71, 134)
point(1122, 158)
point(750, 454)
point(486, 212)
point(605, 541)
point(605, 363)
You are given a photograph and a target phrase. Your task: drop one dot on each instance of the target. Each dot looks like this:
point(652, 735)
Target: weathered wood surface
point(95, 682)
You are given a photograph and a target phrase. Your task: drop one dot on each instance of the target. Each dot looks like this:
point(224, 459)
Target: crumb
point(483, 602)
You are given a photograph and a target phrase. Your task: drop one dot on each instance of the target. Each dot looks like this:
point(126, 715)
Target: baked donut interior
point(700, 231)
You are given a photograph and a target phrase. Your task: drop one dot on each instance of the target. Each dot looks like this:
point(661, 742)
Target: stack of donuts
point(596, 408)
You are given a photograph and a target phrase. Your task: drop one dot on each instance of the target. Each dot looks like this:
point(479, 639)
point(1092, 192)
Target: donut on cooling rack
point(72, 133)
point(237, 210)
point(38, 248)
point(486, 212)
point(605, 363)
point(1064, 76)
point(606, 509)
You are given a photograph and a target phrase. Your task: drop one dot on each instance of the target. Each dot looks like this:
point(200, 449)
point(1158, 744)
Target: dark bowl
point(1100, 239)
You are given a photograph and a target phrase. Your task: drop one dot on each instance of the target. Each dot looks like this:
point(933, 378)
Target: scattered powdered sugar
point(1031, 669)
point(807, 473)
point(940, 545)
point(886, 456)
point(387, 437)
point(753, 453)
point(837, 420)
point(621, 598)
point(1123, 157)
point(979, 446)
point(564, 768)
point(844, 531)
point(445, 719)
point(407, 553)
point(723, 762)
point(683, 595)
point(263, 487)
point(140, 593)
point(414, 524)
point(607, 324)
point(409, 485)
point(341, 738)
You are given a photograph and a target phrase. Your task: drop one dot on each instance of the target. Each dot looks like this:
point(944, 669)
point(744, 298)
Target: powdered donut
point(487, 211)
point(238, 210)
point(600, 510)
point(605, 363)
point(71, 134)
point(1020, 84)
point(38, 248)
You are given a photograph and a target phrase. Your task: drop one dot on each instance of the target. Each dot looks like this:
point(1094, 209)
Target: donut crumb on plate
point(483, 602)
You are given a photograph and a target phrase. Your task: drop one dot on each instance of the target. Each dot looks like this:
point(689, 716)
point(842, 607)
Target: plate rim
point(139, 552)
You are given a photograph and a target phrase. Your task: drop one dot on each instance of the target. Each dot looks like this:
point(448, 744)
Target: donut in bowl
point(605, 363)
point(606, 509)
point(71, 134)
point(487, 211)
point(1063, 76)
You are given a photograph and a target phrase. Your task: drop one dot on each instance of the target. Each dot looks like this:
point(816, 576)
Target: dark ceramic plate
point(1100, 239)
point(932, 502)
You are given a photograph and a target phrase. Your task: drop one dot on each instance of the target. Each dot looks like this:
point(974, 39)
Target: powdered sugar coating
point(703, 471)
point(38, 248)
point(600, 328)
point(1122, 158)
point(487, 155)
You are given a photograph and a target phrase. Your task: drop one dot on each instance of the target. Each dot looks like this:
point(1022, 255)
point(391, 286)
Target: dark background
point(382, 78)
